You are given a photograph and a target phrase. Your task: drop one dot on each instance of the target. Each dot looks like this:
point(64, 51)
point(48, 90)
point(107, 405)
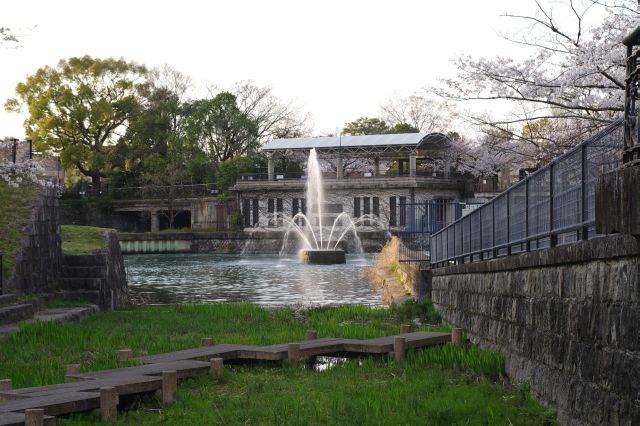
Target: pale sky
point(338, 60)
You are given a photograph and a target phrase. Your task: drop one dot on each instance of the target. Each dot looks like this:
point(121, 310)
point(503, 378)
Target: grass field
point(15, 214)
point(441, 385)
point(82, 239)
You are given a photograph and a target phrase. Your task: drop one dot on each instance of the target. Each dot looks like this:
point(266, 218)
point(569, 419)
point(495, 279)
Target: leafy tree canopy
point(80, 108)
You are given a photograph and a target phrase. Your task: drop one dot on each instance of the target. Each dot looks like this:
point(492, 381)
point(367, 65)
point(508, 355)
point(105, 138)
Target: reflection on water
point(262, 279)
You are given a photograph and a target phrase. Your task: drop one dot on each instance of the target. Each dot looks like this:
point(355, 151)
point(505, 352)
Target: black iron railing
point(161, 192)
point(553, 206)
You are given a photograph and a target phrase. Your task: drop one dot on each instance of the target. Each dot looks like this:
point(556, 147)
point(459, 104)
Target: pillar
point(169, 386)
point(412, 165)
point(339, 171)
point(155, 221)
point(399, 348)
point(108, 404)
point(270, 168)
point(34, 417)
point(376, 167)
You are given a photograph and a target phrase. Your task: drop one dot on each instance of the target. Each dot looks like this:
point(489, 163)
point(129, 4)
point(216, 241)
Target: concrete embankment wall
point(567, 320)
point(37, 263)
point(264, 242)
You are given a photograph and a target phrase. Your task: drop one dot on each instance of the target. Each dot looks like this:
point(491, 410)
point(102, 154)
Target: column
point(155, 221)
point(376, 167)
point(339, 174)
point(412, 165)
point(270, 167)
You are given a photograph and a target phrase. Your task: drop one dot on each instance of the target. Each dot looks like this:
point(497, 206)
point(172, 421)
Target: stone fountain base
point(322, 257)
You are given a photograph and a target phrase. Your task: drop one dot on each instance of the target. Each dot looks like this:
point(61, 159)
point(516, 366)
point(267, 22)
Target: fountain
point(318, 247)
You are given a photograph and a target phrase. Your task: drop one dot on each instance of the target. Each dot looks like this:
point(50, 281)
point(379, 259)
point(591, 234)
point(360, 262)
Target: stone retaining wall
point(37, 266)
point(567, 320)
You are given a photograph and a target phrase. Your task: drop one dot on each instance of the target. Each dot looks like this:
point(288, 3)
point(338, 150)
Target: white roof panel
point(410, 139)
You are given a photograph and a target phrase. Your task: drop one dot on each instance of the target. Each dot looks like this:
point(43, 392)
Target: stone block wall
point(567, 320)
point(38, 257)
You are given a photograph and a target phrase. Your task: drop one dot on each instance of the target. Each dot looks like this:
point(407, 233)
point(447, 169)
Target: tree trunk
point(95, 185)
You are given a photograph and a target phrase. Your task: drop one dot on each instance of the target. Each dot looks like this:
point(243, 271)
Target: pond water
point(267, 280)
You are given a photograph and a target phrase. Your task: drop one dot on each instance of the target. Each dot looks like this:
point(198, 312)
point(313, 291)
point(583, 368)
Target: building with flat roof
point(377, 175)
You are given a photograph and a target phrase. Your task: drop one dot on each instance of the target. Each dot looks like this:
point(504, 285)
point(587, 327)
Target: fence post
point(481, 245)
point(508, 195)
point(552, 237)
point(584, 231)
point(527, 244)
point(494, 252)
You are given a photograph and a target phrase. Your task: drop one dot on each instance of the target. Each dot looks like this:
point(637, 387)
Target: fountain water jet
point(318, 248)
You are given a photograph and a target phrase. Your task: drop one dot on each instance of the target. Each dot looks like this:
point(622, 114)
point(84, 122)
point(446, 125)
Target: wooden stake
point(217, 367)
point(71, 369)
point(293, 352)
point(5, 385)
point(456, 336)
point(405, 328)
point(124, 355)
point(399, 348)
point(108, 404)
point(169, 386)
point(206, 341)
point(34, 417)
point(311, 335)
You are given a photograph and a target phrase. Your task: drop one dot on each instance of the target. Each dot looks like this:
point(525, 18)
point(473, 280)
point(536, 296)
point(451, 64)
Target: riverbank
point(441, 385)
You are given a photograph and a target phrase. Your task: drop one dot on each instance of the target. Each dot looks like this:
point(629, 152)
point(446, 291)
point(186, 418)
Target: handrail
point(554, 205)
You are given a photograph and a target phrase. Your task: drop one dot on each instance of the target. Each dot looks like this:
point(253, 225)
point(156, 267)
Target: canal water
point(267, 280)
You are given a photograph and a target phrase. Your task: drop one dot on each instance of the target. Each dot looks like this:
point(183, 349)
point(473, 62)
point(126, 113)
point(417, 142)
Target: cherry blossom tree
point(571, 85)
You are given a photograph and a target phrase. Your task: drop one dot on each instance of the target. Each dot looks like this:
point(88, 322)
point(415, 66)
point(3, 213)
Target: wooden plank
point(185, 368)
point(17, 419)
point(124, 385)
point(55, 404)
point(205, 353)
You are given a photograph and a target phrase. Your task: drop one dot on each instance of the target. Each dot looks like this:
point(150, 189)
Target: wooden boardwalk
point(100, 389)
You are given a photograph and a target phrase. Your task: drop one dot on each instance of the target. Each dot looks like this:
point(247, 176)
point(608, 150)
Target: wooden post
point(108, 404)
point(206, 341)
point(5, 385)
point(405, 328)
point(456, 336)
point(169, 386)
point(34, 417)
point(293, 353)
point(217, 367)
point(71, 369)
point(124, 355)
point(399, 348)
point(311, 335)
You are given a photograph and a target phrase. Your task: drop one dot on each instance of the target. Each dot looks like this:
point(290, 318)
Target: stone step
point(7, 299)
point(16, 313)
point(89, 296)
point(84, 260)
point(82, 271)
point(81, 283)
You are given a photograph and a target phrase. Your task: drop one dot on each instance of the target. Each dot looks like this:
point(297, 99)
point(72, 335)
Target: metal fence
point(553, 206)
point(419, 221)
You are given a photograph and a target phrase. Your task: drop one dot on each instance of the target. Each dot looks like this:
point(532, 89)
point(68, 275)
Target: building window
point(256, 216)
point(270, 211)
point(392, 211)
point(366, 209)
point(356, 207)
point(246, 213)
point(403, 211)
point(279, 209)
point(376, 207)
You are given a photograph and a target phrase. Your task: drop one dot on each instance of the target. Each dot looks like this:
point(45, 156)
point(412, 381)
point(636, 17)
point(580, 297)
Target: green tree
point(403, 128)
point(220, 128)
point(80, 108)
point(366, 126)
